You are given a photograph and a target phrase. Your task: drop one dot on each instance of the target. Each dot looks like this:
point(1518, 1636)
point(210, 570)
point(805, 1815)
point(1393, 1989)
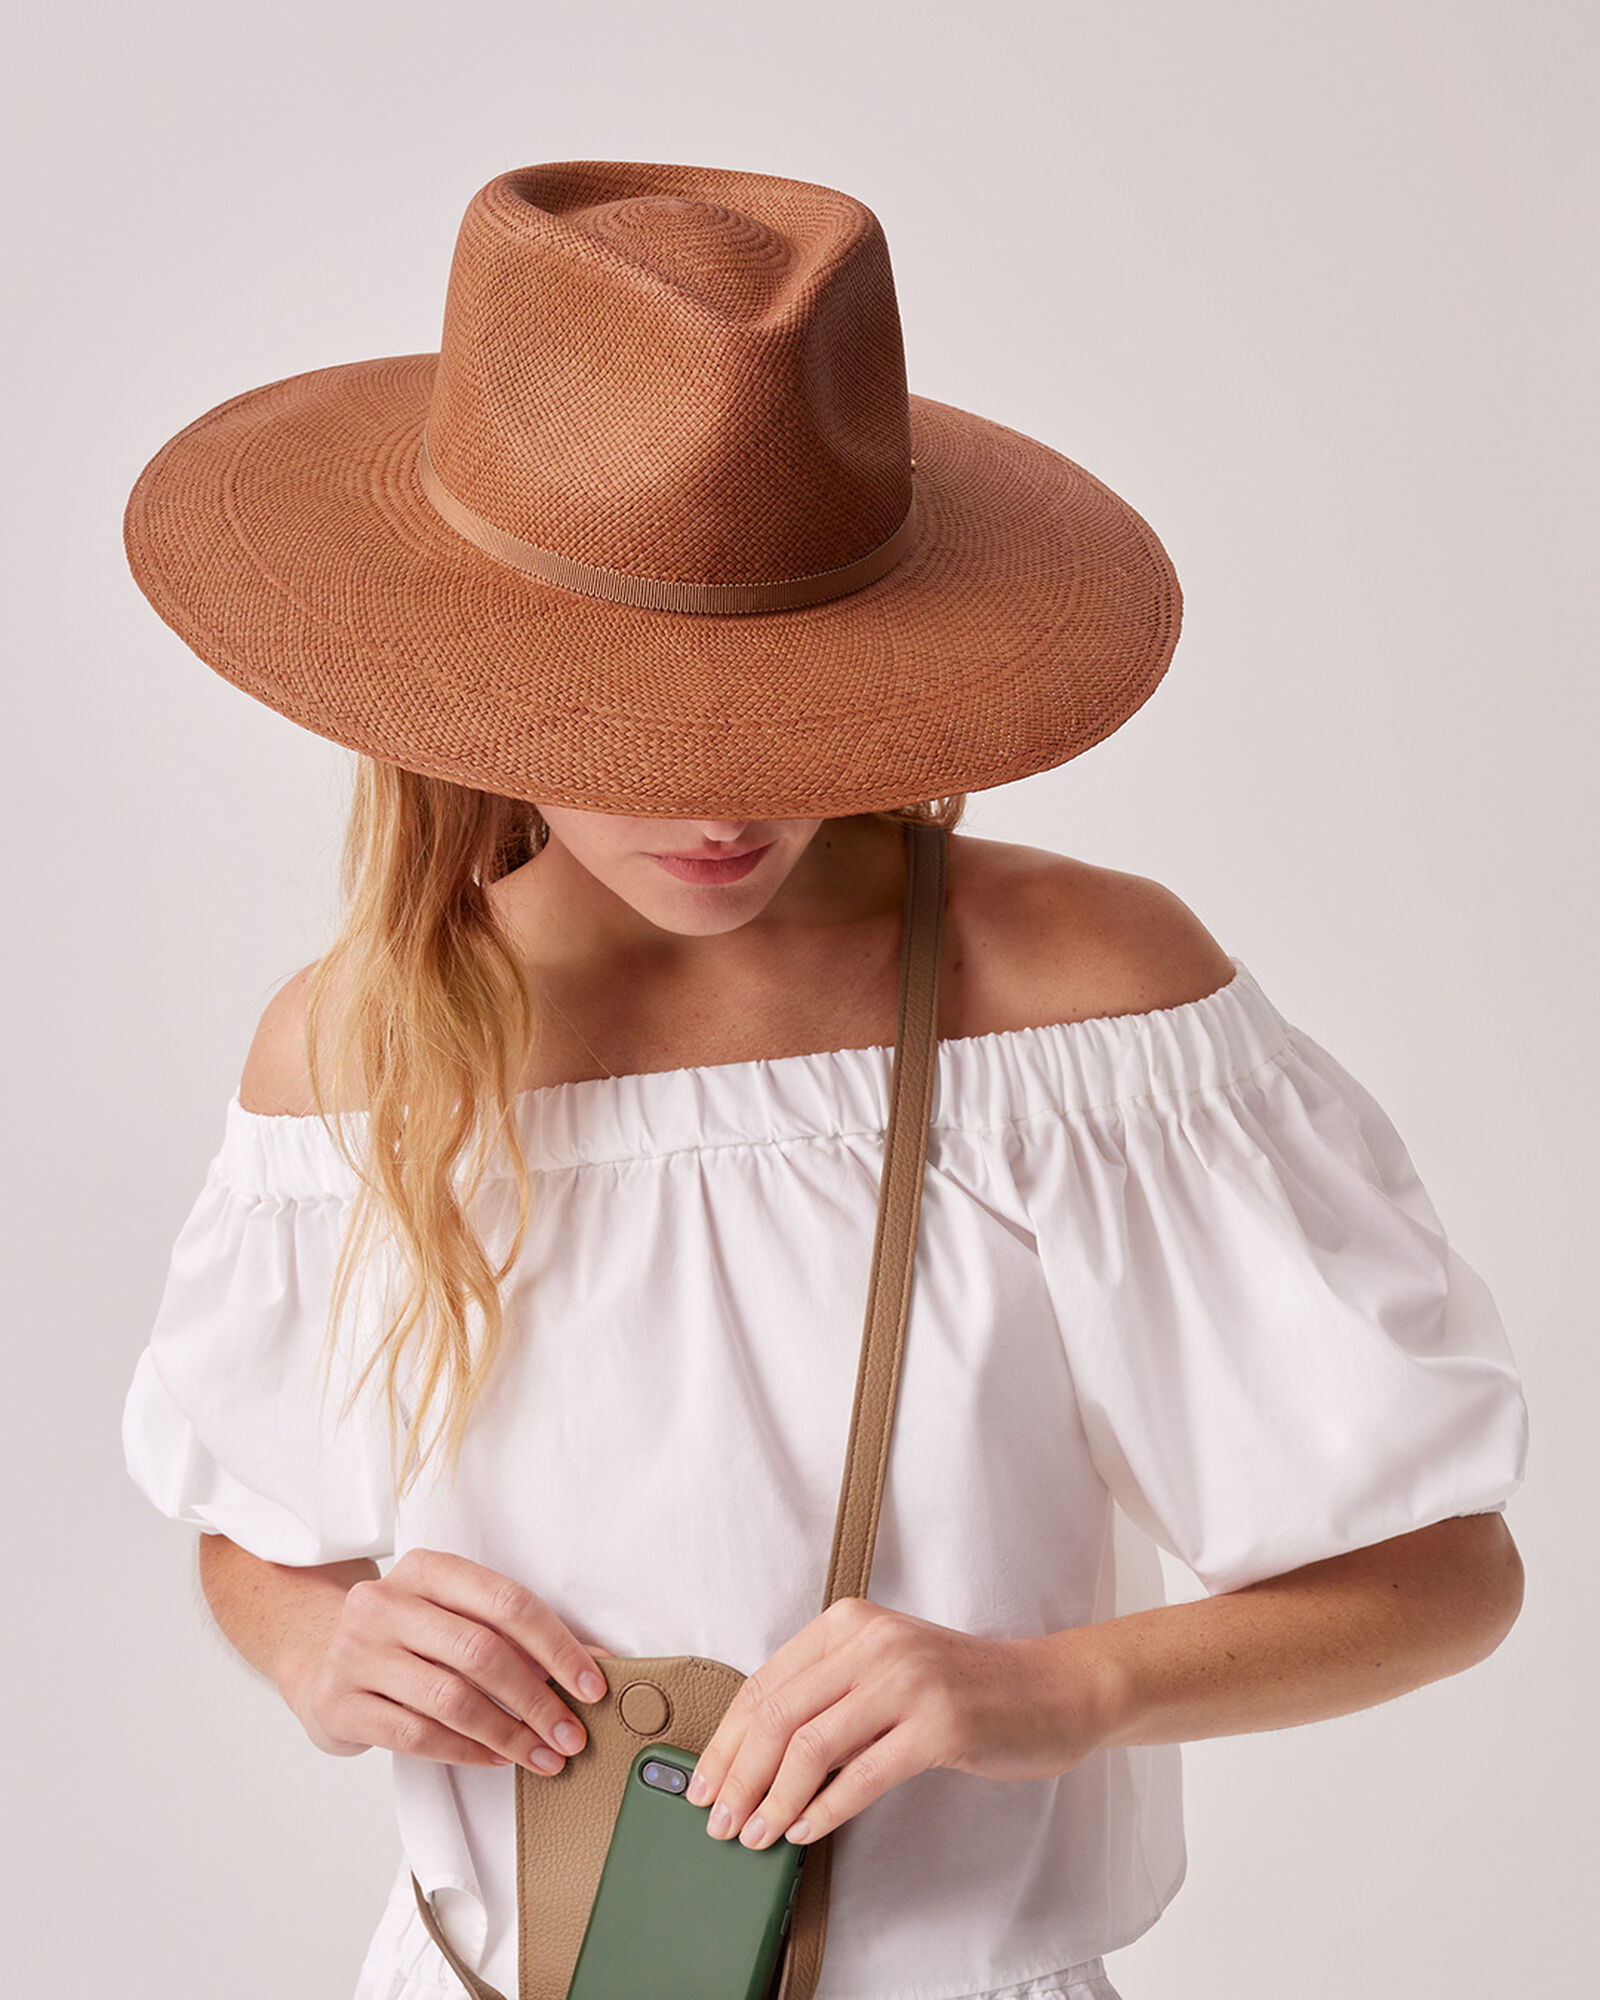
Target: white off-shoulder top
point(1178, 1283)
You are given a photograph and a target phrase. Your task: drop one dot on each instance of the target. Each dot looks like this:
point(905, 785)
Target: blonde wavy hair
point(435, 1018)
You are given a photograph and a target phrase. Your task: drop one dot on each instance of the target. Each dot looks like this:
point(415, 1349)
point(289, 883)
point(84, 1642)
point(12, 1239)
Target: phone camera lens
point(664, 1777)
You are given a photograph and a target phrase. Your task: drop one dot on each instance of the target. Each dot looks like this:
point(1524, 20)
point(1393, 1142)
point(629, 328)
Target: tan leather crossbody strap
point(905, 1150)
point(899, 1205)
point(480, 1989)
point(894, 1248)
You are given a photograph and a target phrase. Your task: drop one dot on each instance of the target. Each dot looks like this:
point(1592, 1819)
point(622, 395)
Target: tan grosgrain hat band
point(655, 593)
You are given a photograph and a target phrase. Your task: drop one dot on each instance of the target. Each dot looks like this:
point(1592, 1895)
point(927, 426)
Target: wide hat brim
point(286, 538)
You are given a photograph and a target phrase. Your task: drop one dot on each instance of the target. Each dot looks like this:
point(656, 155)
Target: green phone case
point(678, 1915)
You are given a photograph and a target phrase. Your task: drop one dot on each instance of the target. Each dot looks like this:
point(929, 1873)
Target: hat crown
point(733, 263)
point(674, 372)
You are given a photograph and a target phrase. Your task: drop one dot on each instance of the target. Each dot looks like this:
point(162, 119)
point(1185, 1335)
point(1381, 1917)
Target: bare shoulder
point(1038, 937)
point(276, 1079)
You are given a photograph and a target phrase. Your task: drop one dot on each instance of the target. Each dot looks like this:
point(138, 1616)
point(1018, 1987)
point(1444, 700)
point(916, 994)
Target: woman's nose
point(719, 829)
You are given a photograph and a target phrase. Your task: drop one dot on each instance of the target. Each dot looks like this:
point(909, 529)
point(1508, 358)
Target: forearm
point(276, 1617)
point(1320, 1641)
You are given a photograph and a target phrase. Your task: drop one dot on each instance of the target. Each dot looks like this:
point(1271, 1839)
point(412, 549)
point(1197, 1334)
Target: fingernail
point(721, 1819)
point(698, 1788)
point(754, 1831)
point(544, 1759)
point(569, 1736)
point(591, 1687)
point(799, 1830)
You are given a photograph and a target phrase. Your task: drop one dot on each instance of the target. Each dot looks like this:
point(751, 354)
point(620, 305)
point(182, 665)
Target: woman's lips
point(688, 870)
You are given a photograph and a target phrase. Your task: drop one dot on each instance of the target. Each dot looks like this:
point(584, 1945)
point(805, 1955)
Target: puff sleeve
point(1277, 1354)
point(224, 1427)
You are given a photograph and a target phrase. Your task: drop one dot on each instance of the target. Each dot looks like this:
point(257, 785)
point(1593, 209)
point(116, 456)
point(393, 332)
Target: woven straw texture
point(674, 373)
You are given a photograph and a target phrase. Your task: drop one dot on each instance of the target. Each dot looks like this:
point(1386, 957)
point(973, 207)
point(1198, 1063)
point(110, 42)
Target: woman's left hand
point(877, 1696)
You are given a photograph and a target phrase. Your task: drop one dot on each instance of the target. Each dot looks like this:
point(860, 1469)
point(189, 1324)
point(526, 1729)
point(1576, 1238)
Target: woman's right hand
point(443, 1658)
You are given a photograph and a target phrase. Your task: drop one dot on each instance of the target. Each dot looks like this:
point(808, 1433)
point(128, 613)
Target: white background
point(1312, 287)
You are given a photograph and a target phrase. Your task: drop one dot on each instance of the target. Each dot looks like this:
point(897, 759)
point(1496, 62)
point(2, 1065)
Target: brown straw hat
point(659, 530)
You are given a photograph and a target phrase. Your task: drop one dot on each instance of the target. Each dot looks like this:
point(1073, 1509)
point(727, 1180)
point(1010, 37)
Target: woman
point(643, 699)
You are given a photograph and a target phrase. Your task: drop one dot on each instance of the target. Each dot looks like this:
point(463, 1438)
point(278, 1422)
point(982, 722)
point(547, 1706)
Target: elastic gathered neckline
point(982, 1082)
